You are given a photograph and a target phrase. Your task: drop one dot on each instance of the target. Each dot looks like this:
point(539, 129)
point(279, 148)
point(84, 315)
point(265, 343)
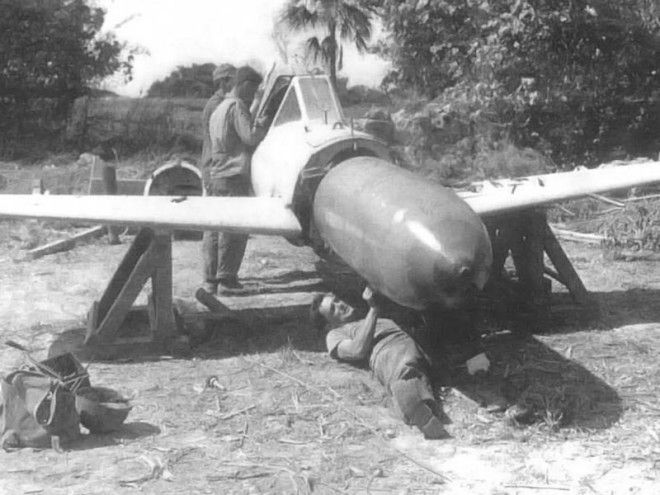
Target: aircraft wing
point(229, 214)
point(502, 196)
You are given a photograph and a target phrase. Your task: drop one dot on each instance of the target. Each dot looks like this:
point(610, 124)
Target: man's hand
point(368, 296)
point(373, 299)
point(262, 121)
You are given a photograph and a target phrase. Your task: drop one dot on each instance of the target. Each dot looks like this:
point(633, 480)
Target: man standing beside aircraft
point(393, 356)
point(223, 80)
point(227, 173)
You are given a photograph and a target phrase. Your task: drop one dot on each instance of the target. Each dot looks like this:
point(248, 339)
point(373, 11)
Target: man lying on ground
point(393, 356)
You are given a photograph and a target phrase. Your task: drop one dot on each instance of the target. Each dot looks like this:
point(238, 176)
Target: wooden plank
point(526, 243)
point(551, 273)
point(150, 256)
point(110, 323)
point(163, 321)
point(564, 267)
point(606, 200)
point(109, 176)
point(534, 233)
point(37, 186)
point(119, 278)
point(211, 302)
point(65, 244)
point(577, 236)
point(643, 198)
point(522, 234)
point(499, 231)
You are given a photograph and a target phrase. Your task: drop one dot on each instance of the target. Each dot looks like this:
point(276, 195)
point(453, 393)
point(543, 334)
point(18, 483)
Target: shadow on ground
point(127, 431)
point(526, 373)
point(243, 331)
point(556, 390)
point(561, 314)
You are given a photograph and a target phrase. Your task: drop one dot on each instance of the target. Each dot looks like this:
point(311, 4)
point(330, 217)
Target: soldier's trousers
point(399, 364)
point(223, 252)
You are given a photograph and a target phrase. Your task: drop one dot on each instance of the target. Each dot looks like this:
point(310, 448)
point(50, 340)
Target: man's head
point(329, 309)
point(223, 77)
point(246, 83)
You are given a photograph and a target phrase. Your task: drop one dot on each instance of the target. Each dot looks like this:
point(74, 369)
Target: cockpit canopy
point(308, 99)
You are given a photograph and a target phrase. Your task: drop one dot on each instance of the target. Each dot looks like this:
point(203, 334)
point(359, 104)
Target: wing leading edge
point(228, 214)
point(517, 194)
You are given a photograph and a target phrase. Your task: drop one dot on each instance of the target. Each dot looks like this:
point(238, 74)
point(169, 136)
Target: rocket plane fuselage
point(412, 240)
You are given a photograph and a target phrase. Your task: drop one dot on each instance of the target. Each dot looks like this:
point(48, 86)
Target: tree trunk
point(332, 28)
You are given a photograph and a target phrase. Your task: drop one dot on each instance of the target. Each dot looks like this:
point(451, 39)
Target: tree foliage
point(574, 76)
point(51, 51)
point(347, 20)
point(54, 48)
point(195, 81)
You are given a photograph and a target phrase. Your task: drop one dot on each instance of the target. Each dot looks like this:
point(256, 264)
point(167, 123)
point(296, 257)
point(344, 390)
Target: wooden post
point(526, 244)
point(109, 175)
point(499, 231)
point(528, 237)
point(37, 186)
point(163, 324)
point(535, 229)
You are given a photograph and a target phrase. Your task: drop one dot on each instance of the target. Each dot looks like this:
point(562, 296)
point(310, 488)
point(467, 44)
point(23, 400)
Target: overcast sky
point(183, 32)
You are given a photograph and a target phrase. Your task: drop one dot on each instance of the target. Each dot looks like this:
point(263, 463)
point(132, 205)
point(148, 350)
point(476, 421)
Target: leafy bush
point(574, 78)
point(458, 137)
point(195, 81)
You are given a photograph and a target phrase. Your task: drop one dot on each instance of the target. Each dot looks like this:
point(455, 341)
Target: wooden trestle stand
point(528, 237)
point(113, 322)
point(113, 326)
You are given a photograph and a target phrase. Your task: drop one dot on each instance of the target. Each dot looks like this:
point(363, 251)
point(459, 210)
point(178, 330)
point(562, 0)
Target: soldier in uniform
point(233, 138)
point(393, 356)
point(223, 80)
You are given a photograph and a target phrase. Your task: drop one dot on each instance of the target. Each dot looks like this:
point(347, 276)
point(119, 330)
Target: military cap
point(222, 71)
point(247, 73)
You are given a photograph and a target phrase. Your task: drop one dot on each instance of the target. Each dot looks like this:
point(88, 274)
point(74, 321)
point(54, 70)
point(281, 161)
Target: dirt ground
point(285, 418)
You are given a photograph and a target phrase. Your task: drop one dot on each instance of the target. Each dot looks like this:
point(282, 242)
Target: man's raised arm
point(359, 347)
point(243, 126)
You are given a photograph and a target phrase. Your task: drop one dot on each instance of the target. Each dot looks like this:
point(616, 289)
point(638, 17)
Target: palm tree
point(348, 20)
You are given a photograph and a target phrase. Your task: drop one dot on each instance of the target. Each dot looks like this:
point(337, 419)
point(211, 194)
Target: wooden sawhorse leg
point(527, 236)
point(149, 257)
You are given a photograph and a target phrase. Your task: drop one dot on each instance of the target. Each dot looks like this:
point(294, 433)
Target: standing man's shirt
point(232, 139)
point(209, 108)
